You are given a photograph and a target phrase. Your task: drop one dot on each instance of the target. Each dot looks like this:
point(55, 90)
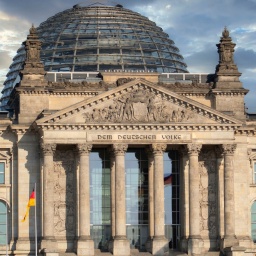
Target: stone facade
point(56, 126)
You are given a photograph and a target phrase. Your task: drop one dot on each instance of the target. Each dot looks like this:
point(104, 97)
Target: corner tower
point(228, 90)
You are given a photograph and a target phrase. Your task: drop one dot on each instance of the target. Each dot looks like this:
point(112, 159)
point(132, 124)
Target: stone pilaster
point(85, 245)
point(229, 211)
point(159, 242)
point(48, 244)
point(121, 245)
point(195, 242)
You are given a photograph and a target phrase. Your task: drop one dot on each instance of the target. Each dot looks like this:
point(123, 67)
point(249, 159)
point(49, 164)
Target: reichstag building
point(126, 151)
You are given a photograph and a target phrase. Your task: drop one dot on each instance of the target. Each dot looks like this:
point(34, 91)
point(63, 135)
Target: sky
point(194, 25)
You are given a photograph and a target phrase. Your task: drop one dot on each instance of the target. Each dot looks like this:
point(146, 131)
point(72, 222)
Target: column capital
point(229, 149)
point(193, 149)
point(84, 149)
point(119, 149)
point(158, 148)
point(48, 148)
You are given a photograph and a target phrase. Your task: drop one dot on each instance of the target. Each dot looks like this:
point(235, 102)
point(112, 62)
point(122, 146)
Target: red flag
point(31, 202)
point(168, 180)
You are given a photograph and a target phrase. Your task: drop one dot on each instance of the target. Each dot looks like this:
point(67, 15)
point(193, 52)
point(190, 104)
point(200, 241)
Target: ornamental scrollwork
point(193, 148)
point(229, 149)
point(84, 148)
point(119, 148)
point(158, 148)
point(48, 149)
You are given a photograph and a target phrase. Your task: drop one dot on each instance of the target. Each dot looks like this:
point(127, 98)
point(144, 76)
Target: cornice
point(138, 127)
point(230, 92)
point(62, 93)
point(246, 131)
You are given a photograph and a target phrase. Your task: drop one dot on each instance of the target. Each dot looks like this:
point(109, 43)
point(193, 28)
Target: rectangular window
point(2, 173)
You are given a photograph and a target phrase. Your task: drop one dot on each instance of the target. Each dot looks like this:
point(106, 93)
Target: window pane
point(2, 172)
point(2, 223)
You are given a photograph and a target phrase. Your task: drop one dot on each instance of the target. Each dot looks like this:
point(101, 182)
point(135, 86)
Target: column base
point(160, 246)
point(49, 247)
point(195, 245)
point(25, 244)
point(121, 247)
point(85, 247)
point(228, 241)
point(234, 251)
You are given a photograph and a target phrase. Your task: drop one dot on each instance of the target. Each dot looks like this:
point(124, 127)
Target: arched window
point(253, 221)
point(3, 223)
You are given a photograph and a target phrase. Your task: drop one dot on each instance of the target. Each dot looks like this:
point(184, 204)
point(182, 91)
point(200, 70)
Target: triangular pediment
point(138, 102)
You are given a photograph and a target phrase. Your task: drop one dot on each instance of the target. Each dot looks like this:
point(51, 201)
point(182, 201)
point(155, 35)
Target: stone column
point(229, 212)
point(85, 245)
point(220, 175)
point(159, 243)
point(113, 213)
point(150, 198)
point(195, 241)
point(184, 199)
point(48, 244)
point(121, 245)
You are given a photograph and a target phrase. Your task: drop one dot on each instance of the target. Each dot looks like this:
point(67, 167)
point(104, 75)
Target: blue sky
point(194, 25)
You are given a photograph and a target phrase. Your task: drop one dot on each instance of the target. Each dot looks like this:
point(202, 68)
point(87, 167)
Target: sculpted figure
point(128, 110)
point(152, 110)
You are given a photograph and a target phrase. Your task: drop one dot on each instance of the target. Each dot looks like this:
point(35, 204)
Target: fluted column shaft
point(158, 150)
point(48, 191)
point(84, 190)
point(120, 206)
point(194, 205)
point(229, 220)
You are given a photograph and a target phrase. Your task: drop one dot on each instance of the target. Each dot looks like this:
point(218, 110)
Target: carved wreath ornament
point(138, 106)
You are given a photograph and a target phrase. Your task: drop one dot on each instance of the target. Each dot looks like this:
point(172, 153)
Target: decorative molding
point(158, 148)
point(119, 149)
point(229, 149)
point(193, 148)
point(48, 149)
point(138, 127)
point(84, 149)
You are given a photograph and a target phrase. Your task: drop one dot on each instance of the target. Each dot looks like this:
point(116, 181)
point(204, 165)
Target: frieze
point(175, 137)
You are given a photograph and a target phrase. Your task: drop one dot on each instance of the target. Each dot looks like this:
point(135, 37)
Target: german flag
point(31, 202)
point(168, 180)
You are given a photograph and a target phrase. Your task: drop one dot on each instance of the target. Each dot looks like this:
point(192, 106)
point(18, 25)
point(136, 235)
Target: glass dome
point(96, 38)
point(99, 38)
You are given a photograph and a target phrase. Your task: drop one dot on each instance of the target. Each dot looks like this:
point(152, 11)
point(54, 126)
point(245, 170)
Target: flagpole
point(35, 223)
point(6, 231)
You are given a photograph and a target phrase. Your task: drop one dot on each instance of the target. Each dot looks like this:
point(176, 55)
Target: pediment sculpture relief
point(138, 106)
